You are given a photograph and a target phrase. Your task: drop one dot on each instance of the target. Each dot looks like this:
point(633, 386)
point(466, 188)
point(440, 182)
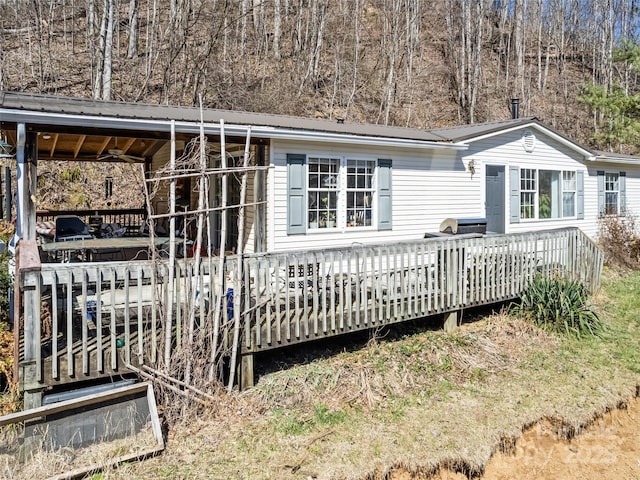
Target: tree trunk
point(132, 50)
point(277, 22)
point(108, 57)
point(99, 53)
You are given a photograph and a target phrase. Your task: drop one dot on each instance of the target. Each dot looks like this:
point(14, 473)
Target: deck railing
point(90, 319)
point(131, 218)
point(294, 297)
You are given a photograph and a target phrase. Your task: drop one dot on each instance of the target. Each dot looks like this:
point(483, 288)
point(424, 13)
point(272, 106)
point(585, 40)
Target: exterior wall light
point(471, 166)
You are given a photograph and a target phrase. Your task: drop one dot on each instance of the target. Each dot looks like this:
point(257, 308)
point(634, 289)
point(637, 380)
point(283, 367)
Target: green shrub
point(558, 304)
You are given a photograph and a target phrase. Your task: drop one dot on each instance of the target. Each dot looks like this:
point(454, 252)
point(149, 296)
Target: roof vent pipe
point(515, 108)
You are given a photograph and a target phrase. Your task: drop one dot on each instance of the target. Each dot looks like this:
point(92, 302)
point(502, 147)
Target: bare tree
point(132, 50)
point(102, 82)
point(465, 25)
point(277, 25)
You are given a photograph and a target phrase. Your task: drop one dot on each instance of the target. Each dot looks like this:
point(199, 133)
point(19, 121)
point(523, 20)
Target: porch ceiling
point(58, 143)
point(90, 146)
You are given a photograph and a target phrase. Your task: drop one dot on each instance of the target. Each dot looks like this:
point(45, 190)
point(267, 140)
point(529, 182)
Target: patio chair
point(70, 228)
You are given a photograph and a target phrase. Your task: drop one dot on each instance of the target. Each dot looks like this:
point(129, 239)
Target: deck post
point(246, 371)
point(28, 296)
point(450, 321)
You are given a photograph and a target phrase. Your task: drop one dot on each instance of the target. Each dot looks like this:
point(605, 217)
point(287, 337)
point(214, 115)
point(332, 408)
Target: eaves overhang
point(619, 159)
point(267, 132)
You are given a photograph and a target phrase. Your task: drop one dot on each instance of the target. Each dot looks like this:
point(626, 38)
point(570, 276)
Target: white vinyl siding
point(426, 187)
point(548, 154)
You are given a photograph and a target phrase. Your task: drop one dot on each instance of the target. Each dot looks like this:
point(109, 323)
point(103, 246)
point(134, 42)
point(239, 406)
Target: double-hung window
point(322, 196)
point(337, 193)
point(360, 192)
point(546, 194)
point(528, 189)
point(612, 192)
point(569, 193)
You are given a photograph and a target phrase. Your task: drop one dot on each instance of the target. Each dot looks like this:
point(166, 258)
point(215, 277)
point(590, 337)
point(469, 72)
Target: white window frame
point(531, 193)
point(535, 193)
point(610, 191)
point(574, 191)
point(341, 220)
point(356, 216)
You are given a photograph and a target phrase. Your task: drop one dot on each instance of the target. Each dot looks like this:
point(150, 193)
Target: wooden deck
point(107, 315)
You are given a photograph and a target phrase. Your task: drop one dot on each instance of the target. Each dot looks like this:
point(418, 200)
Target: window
point(337, 192)
point(547, 194)
point(568, 194)
point(611, 193)
point(322, 196)
point(527, 193)
point(360, 192)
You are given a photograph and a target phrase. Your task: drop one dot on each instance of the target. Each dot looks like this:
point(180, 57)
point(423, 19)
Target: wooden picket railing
point(86, 320)
point(294, 297)
point(133, 219)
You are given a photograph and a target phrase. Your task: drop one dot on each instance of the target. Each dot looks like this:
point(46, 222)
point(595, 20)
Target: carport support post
point(27, 175)
point(28, 264)
point(450, 321)
point(28, 294)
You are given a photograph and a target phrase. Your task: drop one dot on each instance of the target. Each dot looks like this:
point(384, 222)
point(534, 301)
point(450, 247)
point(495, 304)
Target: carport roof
point(66, 106)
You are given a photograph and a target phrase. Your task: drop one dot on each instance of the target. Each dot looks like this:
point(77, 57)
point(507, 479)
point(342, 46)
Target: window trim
point(602, 192)
point(607, 191)
point(342, 190)
point(536, 201)
point(297, 202)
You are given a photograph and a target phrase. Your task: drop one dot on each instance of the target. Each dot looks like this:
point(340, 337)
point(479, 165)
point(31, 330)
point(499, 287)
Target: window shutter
point(580, 195)
point(622, 179)
point(385, 210)
point(514, 194)
point(296, 194)
point(600, 192)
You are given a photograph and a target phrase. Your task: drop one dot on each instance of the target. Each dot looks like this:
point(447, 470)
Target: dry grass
point(42, 462)
point(8, 385)
point(411, 399)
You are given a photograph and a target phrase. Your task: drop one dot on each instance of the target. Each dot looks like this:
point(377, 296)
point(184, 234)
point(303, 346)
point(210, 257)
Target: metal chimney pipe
point(515, 108)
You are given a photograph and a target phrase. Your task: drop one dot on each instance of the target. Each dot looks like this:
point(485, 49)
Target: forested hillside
point(399, 62)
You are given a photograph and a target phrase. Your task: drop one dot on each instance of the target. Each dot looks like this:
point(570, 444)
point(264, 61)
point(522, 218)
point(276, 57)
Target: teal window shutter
point(385, 207)
point(600, 192)
point(296, 194)
point(622, 179)
point(580, 195)
point(514, 194)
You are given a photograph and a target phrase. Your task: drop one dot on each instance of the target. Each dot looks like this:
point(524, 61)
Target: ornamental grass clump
point(560, 305)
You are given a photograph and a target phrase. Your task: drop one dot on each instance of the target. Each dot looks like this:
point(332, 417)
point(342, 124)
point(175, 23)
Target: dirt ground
point(609, 449)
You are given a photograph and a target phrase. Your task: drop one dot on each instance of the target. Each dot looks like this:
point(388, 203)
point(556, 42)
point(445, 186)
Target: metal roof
point(465, 132)
point(146, 112)
point(611, 157)
point(87, 128)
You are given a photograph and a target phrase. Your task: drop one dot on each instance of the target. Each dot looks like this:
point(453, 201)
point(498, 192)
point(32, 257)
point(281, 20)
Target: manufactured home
point(306, 229)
